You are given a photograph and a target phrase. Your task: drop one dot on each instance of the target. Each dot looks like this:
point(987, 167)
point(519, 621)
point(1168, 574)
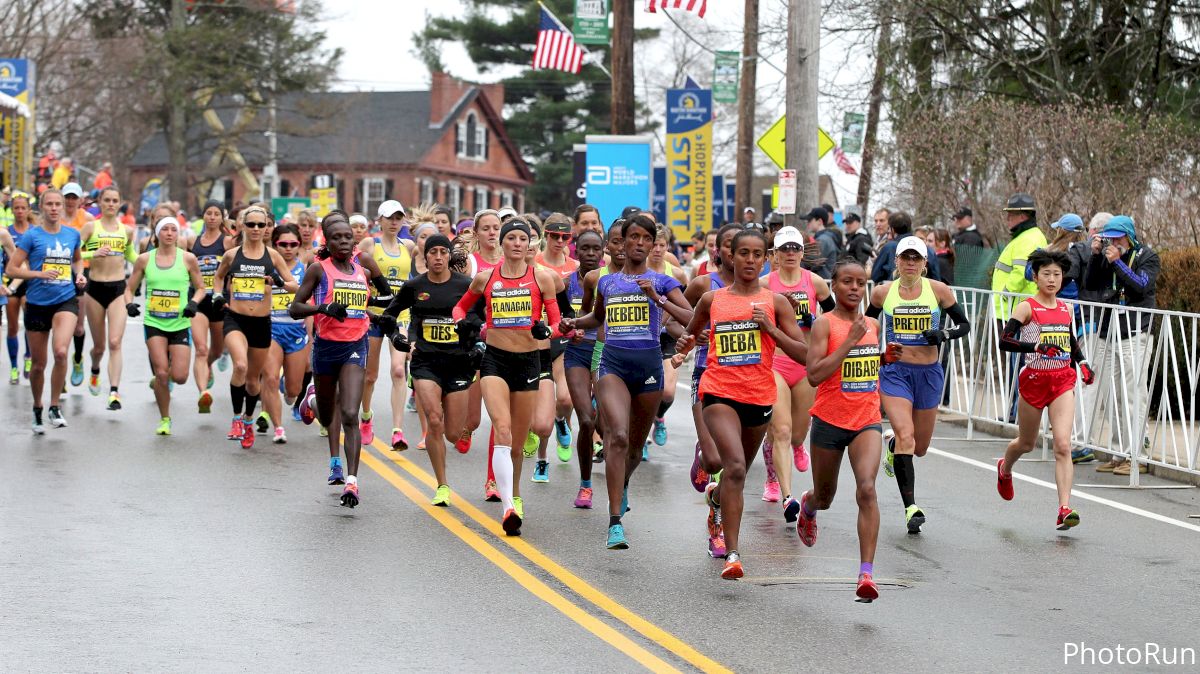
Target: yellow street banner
point(16, 130)
point(689, 161)
point(772, 143)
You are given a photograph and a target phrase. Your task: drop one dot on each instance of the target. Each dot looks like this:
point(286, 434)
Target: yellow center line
point(526, 580)
point(581, 587)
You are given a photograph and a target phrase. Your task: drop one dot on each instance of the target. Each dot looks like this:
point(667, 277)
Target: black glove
point(805, 319)
point(218, 301)
point(476, 355)
point(385, 322)
point(540, 331)
point(191, 309)
point(400, 342)
point(468, 331)
point(935, 337)
point(133, 310)
point(334, 310)
point(276, 279)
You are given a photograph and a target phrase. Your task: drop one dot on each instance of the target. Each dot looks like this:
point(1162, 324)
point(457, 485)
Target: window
point(506, 199)
point(426, 191)
point(471, 138)
point(374, 193)
point(481, 197)
point(454, 199)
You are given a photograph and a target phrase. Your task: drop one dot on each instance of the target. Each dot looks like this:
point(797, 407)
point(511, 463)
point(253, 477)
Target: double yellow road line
point(582, 589)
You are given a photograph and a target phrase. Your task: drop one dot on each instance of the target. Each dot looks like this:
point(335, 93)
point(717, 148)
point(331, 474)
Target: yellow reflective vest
point(1009, 274)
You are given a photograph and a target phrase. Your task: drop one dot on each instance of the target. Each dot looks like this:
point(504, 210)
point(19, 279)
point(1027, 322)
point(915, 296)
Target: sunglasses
point(254, 225)
point(287, 244)
point(558, 236)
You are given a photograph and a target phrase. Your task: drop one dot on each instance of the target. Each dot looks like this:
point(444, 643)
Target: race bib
point(908, 322)
point(512, 308)
point(208, 281)
point(208, 270)
point(577, 305)
point(1058, 335)
point(439, 331)
point(353, 294)
point(163, 303)
point(627, 315)
point(803, 305)
point(280, 301)
point(60, 266)
point(860, 370)
point(737, 343)
point(250, 288)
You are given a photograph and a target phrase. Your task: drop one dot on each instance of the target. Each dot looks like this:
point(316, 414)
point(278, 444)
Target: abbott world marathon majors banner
point(618, 174)
point(689, 161)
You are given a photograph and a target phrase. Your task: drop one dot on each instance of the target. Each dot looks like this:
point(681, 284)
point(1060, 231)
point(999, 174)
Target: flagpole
point(586, 53)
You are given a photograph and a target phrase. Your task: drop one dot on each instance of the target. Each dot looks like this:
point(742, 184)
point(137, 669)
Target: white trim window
point(481, 197)
point(471, 138)
point(426, 191)
point(374, 193)
point(454, 198)
point(506, 199)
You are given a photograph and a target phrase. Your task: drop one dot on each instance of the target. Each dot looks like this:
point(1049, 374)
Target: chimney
point(494, 94)
point(444, 92)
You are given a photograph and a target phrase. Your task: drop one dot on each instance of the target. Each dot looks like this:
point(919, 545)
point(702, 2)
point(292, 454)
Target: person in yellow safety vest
point(1009, 274)
point(6, 216)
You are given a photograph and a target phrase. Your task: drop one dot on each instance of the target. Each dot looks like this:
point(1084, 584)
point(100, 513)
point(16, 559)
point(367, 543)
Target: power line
point(700, 44)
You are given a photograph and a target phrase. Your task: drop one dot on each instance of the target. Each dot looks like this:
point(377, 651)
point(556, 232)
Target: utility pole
point(747, 91)
point(882, 47)
point(622, 68)
point(177, 116)
point(803, 45)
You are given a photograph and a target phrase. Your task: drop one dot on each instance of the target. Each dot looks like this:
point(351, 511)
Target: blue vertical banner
point(619, 174)
point(660, 194)
point(689, 160)
point(731, 200)
point(718, 201)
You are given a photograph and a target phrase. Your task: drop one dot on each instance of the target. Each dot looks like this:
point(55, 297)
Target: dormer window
point(471, 138)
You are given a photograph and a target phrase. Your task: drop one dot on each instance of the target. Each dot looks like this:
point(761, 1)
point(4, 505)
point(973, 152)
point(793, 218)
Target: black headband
point(514, 225)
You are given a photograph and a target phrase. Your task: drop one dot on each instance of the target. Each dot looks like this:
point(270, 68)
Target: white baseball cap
point(72, 190)
point(912, 243)
point(391, 207)
point(506, 212)
point(360, 219)
point(788, 235)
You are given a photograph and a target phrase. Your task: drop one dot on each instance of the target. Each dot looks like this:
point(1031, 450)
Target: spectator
point(945, 255)
point(748, 215)
point(1069, 238)
point(965, 231)
point(1009, 274)
point(858, 241)
point(899, 226)
point(1124, 271)
point(1095, 226)
point(6, 216)
point(707, 260)
point(840, 239)
point(103, 178)
point(882, 228)
point(62, 173)
point(827, 243)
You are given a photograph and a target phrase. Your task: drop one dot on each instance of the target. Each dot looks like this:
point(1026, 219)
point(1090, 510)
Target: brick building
point(447, 145)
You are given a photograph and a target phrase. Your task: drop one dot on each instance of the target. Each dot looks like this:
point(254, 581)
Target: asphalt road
point(123, 551)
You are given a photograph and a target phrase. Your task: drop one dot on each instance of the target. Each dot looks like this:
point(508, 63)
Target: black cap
point(558, 226)
point(1020, 202)
point(630, 211)
point(774, 219)
point(437, 241)
point(963, 212)
point(851, 217)
point(818, 213)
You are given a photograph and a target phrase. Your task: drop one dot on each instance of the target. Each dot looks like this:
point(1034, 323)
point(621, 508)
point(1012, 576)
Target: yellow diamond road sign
point(772, 143)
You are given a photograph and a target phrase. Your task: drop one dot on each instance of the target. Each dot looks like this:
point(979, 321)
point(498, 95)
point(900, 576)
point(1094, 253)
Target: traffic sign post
point(787, 192)
point(772, 143)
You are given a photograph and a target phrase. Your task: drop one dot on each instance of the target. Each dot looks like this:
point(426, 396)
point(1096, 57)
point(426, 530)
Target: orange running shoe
point(733, 566)
point(867, 590)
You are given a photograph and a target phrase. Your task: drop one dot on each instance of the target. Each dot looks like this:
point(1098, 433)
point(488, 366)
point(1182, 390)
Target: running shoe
point(771, 491)
point(323, 432)
point(280, 436)
point(519, 506)
point(660, 432)
point(398, 442)
point(646, 451)
point(77, 373)
point(1067, 518)
point(223, 362)
point(420, 445)
point(806, 526)
point(350, 495)
point(55, 415)
point(733, 566)
point(205, 403)
point(164, 427)
point(562, 433)
point(296, 413)
point(235, 429)
point(714, 510)
point(38, 428)
point(308, 405)
point(889, 452)
point(511, 523)
point(531, 444)
point(800, 457)
point(114, 401)
point(247, 434)
point(584, 498)
point(699, 476)
point(915, 518)
point(366, 428)
point(541, 472)
point(616, 538)
point(791, 507)
point(14, 376)
point(1077, 455)
point(1004, 485)
point(262, 423)
point(625, 500)
point(490, 493)
point(598, 452)
point(212, 379)
point(463, 444)
point(716, 544)
point(867, 590)
point(411, 405)
point(336, 476)
point(441, 497)
point(28, 366)
point(94, 384)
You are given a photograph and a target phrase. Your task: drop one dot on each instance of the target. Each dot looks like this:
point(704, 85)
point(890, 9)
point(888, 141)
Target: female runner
point(630, 306)
point(614, 250)
point(1040, 328)
point(843, 363)
point(790, 419)
point(108, 244)
point(485, 256)
point(667, 338)
point(339, 290)
point(170, 273)
point(208, 325)
point(546, 412)
point(22, 213)
point(578, 360)
point(735, 389)
point(514, 293)
point(913, 309)
point(557, 257)
point(247, 270)
point(289, 350)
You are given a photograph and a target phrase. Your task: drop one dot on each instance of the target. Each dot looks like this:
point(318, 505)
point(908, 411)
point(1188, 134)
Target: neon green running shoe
point(324, 432)
point(164, 427)
point(14, 375)
point(564, 453)
point(531, 446)
point(519, 506)
point(889, 454)
point(914, 518)
point(442, 496)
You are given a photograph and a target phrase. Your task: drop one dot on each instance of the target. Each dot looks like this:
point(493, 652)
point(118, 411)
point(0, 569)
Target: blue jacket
point(885, 265)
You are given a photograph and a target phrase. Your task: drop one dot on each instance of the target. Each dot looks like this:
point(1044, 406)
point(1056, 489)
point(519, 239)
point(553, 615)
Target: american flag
point(699, 7)
point(556, 48)
point(843, 162)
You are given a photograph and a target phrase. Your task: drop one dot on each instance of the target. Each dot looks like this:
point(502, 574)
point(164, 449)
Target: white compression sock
point(502, 466)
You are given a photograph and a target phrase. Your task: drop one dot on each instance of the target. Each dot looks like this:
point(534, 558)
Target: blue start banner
point(619, 175)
